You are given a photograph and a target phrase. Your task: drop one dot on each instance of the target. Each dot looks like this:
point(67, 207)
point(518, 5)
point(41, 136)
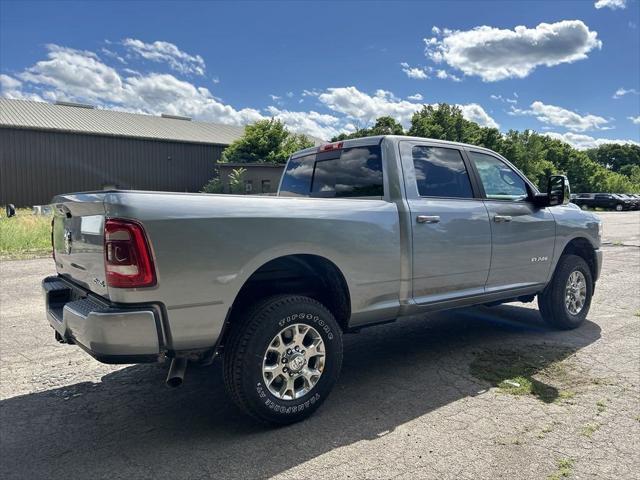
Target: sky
point(569, 69)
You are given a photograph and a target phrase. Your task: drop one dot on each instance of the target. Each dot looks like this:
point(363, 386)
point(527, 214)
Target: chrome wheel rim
point(293, 362)
point(575, 293)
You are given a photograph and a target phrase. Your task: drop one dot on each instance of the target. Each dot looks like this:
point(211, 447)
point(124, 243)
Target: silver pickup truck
point(361, 232)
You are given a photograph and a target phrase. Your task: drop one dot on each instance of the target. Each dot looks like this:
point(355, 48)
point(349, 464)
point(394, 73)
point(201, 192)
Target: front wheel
point(283, 359)
point(565, 301)
point(584, 207)
point(619, 208)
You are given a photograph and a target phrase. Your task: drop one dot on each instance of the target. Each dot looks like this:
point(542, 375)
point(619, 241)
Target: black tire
point(619, 208)
point(247, 346)
point(551, 301)
point(584, 207)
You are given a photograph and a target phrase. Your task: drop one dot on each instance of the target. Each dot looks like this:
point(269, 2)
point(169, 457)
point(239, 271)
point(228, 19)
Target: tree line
point(613, 168)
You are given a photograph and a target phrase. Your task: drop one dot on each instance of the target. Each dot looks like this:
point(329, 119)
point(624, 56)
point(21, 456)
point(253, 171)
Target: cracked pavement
point(406, 406)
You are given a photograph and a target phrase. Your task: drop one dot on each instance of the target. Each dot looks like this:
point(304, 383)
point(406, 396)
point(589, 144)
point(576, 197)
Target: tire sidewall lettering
point(309, 317)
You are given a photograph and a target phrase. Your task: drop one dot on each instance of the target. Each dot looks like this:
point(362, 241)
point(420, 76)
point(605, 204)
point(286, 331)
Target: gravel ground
point(411, 401)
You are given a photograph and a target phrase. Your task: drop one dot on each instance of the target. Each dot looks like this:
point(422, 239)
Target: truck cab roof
point(377, 139)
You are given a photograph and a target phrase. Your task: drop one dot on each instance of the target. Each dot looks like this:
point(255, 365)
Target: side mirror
point(558, 190)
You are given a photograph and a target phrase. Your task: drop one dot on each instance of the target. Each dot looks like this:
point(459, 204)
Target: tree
point(443, 122)
point(383, 126)
point(214, 185)
point(266, 141)
point(615, 156)
point(236, 180)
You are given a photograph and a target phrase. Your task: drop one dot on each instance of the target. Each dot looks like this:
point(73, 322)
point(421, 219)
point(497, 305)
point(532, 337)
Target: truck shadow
point(131, 426)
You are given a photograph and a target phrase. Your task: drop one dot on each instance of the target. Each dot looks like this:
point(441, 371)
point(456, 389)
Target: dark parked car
point(609, 201)
point(634, 202)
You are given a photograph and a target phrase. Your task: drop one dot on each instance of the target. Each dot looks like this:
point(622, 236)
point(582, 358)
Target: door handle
point(428, 219)
point(502, 218)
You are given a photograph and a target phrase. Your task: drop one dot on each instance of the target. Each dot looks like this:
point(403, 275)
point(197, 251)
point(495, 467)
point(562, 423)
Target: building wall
point(261, 178)
point(37, 165)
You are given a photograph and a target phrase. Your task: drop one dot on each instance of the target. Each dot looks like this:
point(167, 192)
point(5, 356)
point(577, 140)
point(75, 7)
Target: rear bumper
point(109, 332)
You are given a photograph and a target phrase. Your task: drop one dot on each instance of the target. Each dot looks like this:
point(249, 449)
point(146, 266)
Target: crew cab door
point(523, 235)
point(451, 236)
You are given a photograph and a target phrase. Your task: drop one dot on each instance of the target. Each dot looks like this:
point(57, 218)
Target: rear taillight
point(127, 257)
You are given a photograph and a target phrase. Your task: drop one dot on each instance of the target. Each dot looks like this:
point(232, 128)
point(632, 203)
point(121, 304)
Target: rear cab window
point(347, 173)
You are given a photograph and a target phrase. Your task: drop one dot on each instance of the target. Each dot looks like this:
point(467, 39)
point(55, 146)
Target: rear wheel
point(283, 359)
point(619, 207)
point(565, 302)
point(584, 207)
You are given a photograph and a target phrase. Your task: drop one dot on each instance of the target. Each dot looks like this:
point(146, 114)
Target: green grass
point(565, 468)
point(589, 429)
point(25, 235)
point(522, 373)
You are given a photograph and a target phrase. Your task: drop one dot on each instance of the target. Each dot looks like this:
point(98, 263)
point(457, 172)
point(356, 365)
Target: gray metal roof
point(46, 116)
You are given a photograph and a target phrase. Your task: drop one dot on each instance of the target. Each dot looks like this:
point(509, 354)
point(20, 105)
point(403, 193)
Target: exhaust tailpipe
point(176, 372)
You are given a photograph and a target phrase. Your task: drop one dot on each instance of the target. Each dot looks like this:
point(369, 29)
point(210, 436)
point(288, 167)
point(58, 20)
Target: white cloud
point(78, 75)
point(444, 75)
point(12, 88)
point(621, 92)
point(416, 97)
point(316, 124)
point(82, 76)
point(635, 120)
point(359, 105)
point(612, 4)
point(476, 113)
point(417, 73)
point(168, 53)
point(495, 54)
point(164, 93)
point(275, 98)
point(582, 142)
point(9, 83)
point(561, 117)
point(356, 104)
point(512, 101)
point(112, 54)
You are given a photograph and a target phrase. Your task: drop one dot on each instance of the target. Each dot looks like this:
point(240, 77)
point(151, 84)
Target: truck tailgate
point(78, 244)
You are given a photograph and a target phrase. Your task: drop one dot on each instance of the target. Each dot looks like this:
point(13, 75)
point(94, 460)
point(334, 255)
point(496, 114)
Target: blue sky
point(324, 67)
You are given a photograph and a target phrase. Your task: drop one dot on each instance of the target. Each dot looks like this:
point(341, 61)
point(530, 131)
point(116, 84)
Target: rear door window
point(351, 172)
point(440, 172)
point(356, 173)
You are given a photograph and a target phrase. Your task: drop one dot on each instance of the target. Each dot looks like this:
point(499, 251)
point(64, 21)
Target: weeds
point(565, 468)
point(519, 373)
point(589, 429)
point(25, 235)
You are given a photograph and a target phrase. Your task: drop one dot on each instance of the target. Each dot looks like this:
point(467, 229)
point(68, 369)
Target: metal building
point(46, 149)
